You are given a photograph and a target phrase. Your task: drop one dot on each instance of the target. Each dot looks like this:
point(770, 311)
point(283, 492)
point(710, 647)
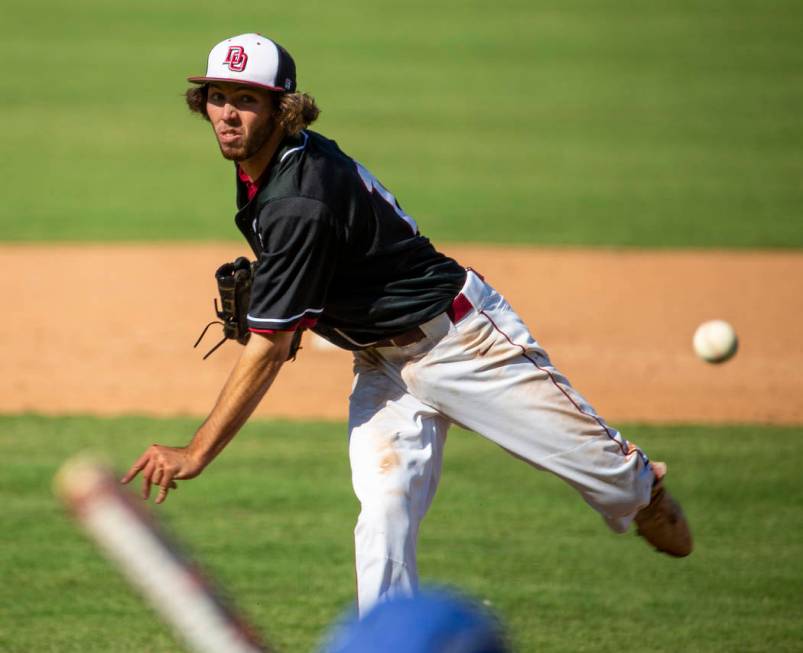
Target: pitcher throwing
point(434, 343)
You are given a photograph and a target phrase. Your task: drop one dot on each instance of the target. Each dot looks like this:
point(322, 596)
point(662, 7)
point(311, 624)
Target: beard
point(250, 144)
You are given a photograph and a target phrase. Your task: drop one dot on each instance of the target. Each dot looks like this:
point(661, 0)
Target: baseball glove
point(234, 282)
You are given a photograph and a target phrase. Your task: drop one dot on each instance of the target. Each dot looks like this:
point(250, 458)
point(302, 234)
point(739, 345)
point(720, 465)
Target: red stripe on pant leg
point(552, 378)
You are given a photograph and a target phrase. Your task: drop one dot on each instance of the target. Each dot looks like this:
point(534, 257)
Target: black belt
point(458, 309)
point(407, 338)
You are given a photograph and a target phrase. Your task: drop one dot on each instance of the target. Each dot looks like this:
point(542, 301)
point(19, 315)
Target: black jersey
point(336, 253)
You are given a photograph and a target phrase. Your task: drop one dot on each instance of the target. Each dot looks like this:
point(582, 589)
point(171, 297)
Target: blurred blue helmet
point(434, 621)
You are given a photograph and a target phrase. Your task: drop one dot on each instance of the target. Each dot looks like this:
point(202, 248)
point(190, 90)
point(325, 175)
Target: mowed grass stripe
point(584, 123)
point(272, 518)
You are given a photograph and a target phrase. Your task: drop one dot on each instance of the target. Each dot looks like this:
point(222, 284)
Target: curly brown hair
point(296, 111)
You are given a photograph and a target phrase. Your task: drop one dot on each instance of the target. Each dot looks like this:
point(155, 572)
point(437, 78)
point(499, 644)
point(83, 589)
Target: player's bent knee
point(388, 515)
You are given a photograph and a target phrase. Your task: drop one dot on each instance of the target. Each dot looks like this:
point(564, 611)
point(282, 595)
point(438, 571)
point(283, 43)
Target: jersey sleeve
point(293, 273)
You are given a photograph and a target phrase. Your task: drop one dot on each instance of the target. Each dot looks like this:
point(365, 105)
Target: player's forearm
point(247, 384)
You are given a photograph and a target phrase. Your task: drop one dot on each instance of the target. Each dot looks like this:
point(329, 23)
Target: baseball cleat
point(662, 523)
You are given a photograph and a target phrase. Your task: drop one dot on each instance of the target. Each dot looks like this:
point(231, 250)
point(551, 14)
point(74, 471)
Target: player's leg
point(395, 447)
point(491, 376)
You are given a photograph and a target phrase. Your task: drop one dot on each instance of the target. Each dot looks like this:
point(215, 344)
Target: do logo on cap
point(236, 58)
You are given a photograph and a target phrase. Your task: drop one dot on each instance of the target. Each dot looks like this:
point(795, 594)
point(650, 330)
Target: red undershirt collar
point(252, 187)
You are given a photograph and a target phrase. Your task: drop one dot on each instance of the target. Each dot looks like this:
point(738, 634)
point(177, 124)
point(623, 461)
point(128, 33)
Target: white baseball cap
point(250, 59)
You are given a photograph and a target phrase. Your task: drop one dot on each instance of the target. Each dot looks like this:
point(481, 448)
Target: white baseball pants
point(485, 373)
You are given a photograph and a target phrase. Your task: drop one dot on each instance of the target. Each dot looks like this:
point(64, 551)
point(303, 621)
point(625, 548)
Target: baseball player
point(434, 344)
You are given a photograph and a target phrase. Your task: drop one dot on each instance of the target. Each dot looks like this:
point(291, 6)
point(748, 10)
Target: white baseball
point(715, 341)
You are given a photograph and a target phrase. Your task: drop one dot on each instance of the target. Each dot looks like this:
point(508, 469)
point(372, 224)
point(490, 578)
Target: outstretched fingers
point(136, 468)
point(166, 484)
point(147, 479)
point(160, 466)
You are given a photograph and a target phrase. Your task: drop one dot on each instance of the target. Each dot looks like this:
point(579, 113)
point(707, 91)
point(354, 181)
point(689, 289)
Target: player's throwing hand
point(162, 466)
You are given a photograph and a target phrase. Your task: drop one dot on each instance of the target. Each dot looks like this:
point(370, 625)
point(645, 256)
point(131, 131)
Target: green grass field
point(273, 517)
point(577, 122)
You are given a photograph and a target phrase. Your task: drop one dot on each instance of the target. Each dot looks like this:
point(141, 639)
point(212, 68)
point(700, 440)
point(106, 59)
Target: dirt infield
point(108, 329)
